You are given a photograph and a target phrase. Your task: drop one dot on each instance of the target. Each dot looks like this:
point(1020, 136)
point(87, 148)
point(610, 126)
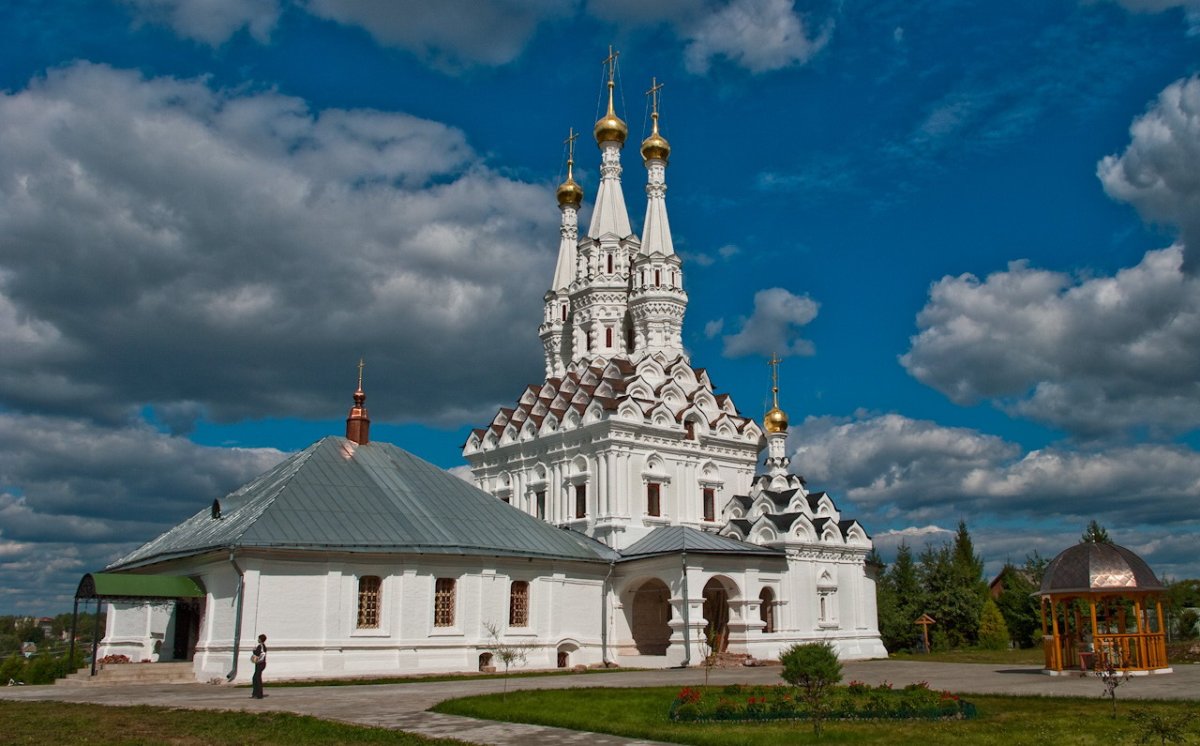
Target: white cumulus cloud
point(214, 253)
point(773, 327)
point(1090, 355)
point(210, 21)
point(1159, 172)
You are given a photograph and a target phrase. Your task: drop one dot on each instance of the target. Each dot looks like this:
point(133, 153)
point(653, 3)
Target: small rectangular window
point(368, 601)
point(541, 504)
point(710, 504)
point(443, 603)
point(581, 501)
point(653, 499)
point(657, 278)
point(608, 337)
point(518, 604)
point(689, 429)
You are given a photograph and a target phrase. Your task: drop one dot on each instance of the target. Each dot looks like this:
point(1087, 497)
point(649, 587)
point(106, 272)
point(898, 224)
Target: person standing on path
point(259, 659)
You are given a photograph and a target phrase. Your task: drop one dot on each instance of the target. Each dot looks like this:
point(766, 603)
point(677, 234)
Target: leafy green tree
point(1095, 534)
point(949, 597)
point(900, 600)
point(993, 632)
point(814, 668)
point(1186, 626)
point(1018, 603)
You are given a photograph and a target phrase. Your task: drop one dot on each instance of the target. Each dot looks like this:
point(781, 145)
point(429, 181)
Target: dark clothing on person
point(260, 663)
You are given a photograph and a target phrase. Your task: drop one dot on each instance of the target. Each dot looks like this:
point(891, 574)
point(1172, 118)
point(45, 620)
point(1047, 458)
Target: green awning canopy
point(112, 585)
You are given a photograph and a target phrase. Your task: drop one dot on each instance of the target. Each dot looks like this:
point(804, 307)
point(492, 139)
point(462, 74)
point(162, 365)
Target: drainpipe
point(687, 632)
point(237, 614)
point(604, 615)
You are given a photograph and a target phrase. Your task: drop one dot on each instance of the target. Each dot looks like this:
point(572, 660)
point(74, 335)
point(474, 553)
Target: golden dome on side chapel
point(776, 421)
point(569, 192)
point(655, 146)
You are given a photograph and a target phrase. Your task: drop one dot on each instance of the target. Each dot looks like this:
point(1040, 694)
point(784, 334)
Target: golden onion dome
point(610, 127)
point(655, 146)
point(776, 421)
point(569, 192)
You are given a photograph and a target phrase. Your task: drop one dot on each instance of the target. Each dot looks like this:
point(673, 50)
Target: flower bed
point(857, 701)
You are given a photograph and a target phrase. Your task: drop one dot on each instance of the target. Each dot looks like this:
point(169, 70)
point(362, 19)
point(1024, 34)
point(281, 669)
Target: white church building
point(619, 514)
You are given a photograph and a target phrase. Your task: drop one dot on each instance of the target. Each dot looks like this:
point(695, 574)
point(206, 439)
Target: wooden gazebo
point(1101, 609)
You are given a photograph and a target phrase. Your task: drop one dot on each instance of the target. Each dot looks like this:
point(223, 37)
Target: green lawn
point(427, 679)
point(642, 713)
point(57, 722)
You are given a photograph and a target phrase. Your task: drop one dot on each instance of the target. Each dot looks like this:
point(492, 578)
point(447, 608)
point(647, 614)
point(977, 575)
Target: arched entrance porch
point(717, 592)
point(650, 614)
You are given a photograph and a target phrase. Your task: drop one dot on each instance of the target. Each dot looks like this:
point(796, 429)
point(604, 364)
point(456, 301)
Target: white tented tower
point(624, 435)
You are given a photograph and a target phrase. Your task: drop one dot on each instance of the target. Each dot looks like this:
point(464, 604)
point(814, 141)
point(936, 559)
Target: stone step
point(134, 673)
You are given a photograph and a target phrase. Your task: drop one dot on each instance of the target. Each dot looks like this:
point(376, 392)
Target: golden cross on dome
point(774, 363)
point(361, 365)
point(570, 143)
point(611, 61)
point(655, 87)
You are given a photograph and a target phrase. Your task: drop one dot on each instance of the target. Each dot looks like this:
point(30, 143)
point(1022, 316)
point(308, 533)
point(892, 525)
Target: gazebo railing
point(1132, 651)
point(1135, 651)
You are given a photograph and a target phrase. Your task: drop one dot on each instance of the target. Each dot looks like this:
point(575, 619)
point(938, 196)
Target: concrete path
point(403, 706)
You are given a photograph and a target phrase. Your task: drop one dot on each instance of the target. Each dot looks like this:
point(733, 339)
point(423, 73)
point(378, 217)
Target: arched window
point(564, 312)
point(368, 601)
point(657, 278)
point(610, 264)
point(485, 663)
point(689, 427)
point(766, 609)
point(518, 604)
point(541, 504)
point(581, 501)
point(443, 603)
point(608, 337)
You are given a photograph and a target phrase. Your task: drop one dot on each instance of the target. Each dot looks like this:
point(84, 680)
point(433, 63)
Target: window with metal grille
point(518, 604)
point(581, 501)
point(653, 499)
point(368, 601)
point(710, 504)
point(443, 603)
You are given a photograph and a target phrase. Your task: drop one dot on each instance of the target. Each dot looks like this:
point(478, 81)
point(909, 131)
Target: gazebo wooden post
point(1095, 642)
point(1160, 645)
point(1057, 661)
point(1141, 631)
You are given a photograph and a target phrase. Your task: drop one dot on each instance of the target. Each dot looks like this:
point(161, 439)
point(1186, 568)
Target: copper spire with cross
point(358, 424)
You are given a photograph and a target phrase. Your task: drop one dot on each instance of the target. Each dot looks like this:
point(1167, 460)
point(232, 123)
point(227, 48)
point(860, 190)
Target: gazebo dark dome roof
point(1089, 567)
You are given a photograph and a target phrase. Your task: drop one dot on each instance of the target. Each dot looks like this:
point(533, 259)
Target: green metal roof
point(676, 539)
point(337, 495)
point(129, 585)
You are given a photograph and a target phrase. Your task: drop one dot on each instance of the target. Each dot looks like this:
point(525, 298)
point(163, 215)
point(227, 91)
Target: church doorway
point(187, 629)
point(651, 614)
point(716, 614)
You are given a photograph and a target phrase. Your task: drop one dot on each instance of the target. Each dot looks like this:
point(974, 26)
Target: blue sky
point(975, 227)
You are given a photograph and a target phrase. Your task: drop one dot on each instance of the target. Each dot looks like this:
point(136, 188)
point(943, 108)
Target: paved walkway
point(403, 706)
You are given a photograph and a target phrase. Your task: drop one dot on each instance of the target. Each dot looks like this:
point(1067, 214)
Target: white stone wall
point(308, 609)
